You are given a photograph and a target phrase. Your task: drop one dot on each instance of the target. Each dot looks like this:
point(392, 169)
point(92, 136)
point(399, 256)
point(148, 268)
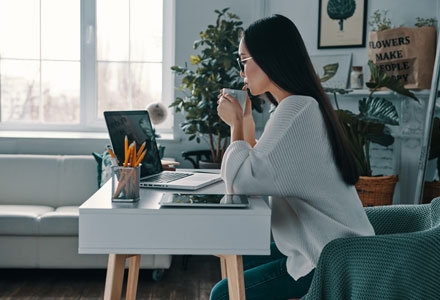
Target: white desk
point(128, 230)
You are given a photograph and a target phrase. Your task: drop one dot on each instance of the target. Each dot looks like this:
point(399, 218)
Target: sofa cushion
point(21, 219)
point(29, 179)
point(77, 180)
point(50, 180)
point(61, 222)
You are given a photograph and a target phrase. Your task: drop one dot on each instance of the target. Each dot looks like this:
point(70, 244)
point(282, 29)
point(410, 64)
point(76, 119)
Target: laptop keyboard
point(167, 177)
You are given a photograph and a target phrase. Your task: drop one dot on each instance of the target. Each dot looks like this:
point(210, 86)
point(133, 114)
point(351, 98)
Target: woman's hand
point(229, 110)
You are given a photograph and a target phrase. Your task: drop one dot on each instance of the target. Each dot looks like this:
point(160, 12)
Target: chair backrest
point(401, 263)
point(399, 218)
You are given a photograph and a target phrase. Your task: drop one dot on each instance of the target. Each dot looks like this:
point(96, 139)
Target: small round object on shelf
point(158, 112)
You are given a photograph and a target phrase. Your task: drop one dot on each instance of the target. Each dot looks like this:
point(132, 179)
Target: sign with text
point(405, 53)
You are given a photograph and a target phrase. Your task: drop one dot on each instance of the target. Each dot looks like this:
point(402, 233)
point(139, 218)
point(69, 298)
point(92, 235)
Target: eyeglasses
point(240, 62)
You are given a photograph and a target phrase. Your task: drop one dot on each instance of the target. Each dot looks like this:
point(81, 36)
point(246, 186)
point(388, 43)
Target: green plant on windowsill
point(215, 68)
point(369, 125)
point(422, 22)
point(379, 21)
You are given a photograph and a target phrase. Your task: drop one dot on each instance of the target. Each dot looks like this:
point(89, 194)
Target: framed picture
point(342, 24)
point(334, 70)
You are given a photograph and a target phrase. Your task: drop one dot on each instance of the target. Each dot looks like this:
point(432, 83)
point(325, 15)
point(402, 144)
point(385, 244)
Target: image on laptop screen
point(137, 127)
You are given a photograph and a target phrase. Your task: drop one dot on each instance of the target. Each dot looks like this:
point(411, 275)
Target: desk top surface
point(100, 203)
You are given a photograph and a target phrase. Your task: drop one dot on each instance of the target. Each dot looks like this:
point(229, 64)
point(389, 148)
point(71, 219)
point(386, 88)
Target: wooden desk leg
point(223, 267)
point(133, 276)
point(234, 268)
point(115, 276)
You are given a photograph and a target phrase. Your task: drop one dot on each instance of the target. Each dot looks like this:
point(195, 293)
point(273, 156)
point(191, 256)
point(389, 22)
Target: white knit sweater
point(293, 163)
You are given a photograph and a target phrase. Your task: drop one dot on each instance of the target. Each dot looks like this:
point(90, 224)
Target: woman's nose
point(242, 74)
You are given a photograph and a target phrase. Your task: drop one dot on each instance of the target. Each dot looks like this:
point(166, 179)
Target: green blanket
point(401, 262)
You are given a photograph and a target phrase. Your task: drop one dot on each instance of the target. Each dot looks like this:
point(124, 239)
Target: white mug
point(240, 95)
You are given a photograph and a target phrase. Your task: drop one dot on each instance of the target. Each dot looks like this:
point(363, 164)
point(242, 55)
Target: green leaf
point(381, 79)
point(347, 117)
point(383, 139)
point(378, 110)
point(195, 59)
point(176, 102)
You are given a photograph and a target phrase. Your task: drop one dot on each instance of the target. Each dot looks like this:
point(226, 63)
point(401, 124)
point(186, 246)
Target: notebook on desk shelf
point(136, 125)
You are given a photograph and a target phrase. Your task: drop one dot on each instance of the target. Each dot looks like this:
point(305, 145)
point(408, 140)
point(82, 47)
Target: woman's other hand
point(229, 110)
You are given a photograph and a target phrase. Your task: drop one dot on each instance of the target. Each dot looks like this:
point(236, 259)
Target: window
point(64, 62)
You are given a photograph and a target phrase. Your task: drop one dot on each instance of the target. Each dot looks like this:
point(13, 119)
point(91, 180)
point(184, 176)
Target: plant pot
point(431, 190)
point(374, 191)
point(203, 164)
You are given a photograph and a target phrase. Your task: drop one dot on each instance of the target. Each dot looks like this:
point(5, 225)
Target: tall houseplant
point(215, 68)
point(369, 126)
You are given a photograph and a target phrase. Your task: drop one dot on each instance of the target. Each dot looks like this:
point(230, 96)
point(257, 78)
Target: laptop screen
point(137, 127)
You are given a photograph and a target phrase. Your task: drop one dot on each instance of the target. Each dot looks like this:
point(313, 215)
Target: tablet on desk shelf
point(204, 200)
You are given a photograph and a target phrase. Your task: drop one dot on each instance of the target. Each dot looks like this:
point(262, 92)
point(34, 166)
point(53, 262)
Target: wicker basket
point(431, 190)
point(374, 191)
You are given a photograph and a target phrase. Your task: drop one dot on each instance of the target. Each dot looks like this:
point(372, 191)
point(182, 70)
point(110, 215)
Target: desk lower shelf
point(174, 234)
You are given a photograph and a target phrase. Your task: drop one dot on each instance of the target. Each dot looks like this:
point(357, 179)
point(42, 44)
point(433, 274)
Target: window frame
point(88, 75)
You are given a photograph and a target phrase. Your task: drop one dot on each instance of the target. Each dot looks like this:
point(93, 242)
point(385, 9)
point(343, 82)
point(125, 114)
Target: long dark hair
point(276, 45)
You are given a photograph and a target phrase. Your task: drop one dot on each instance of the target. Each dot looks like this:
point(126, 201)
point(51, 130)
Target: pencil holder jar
point(125, 183)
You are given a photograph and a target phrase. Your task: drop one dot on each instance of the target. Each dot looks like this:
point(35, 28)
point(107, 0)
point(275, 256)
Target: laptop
point(136, 125)
point(204, 200)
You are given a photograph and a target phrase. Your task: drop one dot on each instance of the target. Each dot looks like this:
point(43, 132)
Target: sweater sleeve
point(250, 168)
point(291, 142)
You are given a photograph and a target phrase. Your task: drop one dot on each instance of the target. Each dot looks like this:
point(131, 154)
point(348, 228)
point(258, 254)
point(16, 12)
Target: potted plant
point(369, 126)
point(215, 68)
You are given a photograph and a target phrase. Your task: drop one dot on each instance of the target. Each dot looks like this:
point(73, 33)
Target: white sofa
point(39, 200)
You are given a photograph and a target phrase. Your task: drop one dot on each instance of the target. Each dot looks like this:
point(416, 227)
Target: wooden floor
point(194, 283)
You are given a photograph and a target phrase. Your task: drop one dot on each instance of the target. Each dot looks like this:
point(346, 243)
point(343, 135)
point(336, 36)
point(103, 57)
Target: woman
point(302, 160)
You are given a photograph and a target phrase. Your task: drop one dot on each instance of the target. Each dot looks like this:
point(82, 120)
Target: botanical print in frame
point(333, 70)
point(342, 23)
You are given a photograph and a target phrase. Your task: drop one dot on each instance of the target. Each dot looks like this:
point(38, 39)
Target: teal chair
point(401, 262)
